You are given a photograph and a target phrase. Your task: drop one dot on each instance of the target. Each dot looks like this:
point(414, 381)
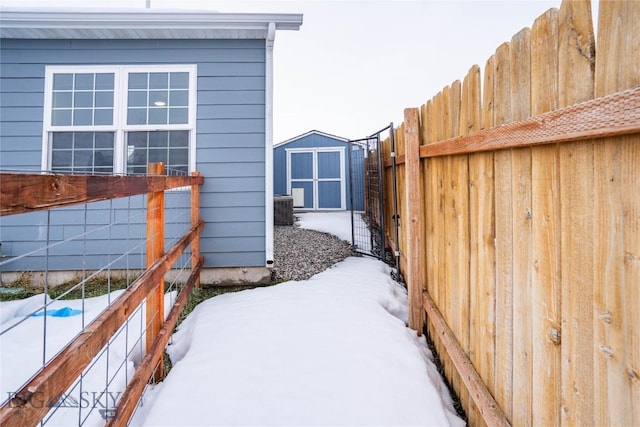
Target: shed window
point(116, 119)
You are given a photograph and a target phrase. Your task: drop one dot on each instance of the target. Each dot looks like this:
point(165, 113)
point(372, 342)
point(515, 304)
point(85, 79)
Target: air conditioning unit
point(283, 210)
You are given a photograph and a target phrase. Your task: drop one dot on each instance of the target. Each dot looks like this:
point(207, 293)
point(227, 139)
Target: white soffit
point(139, 24)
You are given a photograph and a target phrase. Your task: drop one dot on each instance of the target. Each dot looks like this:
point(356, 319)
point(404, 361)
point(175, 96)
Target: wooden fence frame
point(506, 142)
point(21, 192)
point(612, 115)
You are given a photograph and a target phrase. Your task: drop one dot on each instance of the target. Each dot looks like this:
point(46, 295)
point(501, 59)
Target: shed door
point(320, 175)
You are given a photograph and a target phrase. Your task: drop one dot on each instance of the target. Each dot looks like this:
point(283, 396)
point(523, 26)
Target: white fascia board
point(139, 23)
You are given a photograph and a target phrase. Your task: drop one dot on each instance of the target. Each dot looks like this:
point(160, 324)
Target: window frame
point(120, 128)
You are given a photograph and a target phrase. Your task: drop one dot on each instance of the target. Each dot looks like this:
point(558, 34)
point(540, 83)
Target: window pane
point(179, 98)
point(62, 140)
point(178, 158)
point(61, 117)
point(179, 116)
point(83, 160)
point(158, 139)
point(179, 138)
point(158, 98)
point(61, 160)
point(83, 100)
point(137, 116)
point(104, 140)
point(104, 99)
point(104, 81)
point(179, 81)
point(158, 116)
point(103, 117)
point(158, 80)
point(62, 100)
point(158, 155)
point(82, 117)
point(137, 98)
point(103, 158)
point(84, 82)
point(62, 81)
point(138, 139)
point(83, 140)
point(138, 80)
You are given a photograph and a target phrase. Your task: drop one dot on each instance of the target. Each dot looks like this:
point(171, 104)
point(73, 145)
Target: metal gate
point(367, 186)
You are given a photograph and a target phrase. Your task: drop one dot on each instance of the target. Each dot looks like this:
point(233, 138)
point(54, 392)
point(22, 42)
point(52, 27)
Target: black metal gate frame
point(375, 139)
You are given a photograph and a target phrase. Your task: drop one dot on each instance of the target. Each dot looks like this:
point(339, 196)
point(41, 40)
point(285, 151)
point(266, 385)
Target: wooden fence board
point(430, 211)
point(481, 238)
point(629, 408)
point(521, 191)
point(616, 275)
point(545, 228)
point(447, 108)
point(503, 388)
point(576, 65)
point(469, 122)
point(577, 48)
point(413, 224)
point(577, 283)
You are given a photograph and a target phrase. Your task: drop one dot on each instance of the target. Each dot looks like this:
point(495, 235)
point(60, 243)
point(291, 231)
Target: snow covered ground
point(332, 350)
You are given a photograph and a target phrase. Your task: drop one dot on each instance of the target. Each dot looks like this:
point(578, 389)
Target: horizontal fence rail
point(23, 192)
point(59, 376)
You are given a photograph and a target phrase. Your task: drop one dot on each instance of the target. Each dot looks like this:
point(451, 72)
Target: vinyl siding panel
point(231, 97)
point(230, 138)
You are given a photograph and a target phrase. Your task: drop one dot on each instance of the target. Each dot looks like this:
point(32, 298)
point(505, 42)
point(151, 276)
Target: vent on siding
point(283, 210)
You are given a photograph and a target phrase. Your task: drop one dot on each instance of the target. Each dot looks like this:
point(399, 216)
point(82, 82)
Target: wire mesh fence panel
point(62, 274)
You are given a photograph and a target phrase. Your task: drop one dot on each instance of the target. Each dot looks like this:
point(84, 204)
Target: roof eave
point(311, 132)
point(140, 23)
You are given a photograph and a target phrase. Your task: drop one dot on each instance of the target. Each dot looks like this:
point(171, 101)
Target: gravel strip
point(300, 253)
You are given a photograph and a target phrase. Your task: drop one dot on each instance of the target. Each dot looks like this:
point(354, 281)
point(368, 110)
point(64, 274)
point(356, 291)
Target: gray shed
point(315, 169)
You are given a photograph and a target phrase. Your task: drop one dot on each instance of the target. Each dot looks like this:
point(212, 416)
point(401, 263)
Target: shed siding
point(230, 140)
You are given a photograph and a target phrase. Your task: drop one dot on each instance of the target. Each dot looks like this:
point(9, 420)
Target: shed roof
point(311, 132)
point(140, 23)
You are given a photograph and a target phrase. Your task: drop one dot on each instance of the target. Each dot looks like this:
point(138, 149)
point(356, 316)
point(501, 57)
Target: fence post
point(155, 250)
point(414, 227)
point(195, 218)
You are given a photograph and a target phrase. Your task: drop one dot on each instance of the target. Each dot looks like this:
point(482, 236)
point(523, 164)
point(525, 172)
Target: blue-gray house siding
point(325, 151)
point(230, 141)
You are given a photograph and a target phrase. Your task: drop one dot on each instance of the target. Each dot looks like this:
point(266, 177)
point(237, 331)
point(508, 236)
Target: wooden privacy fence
point(521, 193)
point(22, 192)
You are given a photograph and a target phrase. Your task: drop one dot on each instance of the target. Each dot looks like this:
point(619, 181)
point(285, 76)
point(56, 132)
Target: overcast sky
point(354, 66)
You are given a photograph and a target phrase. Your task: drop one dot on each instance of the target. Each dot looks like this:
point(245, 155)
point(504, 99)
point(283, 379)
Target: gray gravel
point(300, 253)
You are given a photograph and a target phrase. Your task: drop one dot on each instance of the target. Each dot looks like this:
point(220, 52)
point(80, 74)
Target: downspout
point(268, 137)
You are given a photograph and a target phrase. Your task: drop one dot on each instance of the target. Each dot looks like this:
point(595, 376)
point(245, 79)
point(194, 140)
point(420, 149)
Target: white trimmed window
point(117, 119)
